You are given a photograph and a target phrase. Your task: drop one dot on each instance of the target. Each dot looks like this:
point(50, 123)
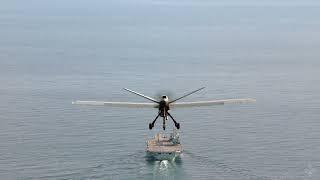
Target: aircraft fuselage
point(164, 106)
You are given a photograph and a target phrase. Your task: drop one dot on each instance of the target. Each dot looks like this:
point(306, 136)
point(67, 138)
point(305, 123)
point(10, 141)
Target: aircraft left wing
point(211, 103)
point(117, 104)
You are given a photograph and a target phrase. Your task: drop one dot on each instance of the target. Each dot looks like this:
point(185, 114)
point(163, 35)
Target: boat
point(164, 147)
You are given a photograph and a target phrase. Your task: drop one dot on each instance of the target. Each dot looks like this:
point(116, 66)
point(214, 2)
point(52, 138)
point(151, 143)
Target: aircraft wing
point(117, 104)
point(211, 103)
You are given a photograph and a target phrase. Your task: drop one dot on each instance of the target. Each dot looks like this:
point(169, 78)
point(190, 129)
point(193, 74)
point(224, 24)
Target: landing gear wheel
point(164, 128)
point(178, 125)
point(150, 126)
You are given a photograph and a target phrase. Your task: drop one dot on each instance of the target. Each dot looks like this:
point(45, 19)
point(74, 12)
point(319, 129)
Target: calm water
point(54, 52)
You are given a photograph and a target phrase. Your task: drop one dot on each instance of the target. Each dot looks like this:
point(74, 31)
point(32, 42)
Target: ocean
point(55, 52)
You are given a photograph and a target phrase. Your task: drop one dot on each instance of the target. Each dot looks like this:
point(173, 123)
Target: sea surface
point(55, 52)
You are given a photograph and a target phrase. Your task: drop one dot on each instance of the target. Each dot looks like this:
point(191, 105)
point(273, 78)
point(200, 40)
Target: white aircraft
point(165, 104)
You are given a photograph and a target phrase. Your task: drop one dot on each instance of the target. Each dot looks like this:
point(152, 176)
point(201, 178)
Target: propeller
point(141, 95)
point(188, 94)
point(159, 94)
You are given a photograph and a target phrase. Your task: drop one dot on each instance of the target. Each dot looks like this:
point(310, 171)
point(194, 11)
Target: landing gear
point(151, 125)
point(164, 123)
point(164, 126)
point(165, 115)
point(175, 122)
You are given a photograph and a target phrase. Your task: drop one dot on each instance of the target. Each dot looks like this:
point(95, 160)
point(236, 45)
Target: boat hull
point(163, 155)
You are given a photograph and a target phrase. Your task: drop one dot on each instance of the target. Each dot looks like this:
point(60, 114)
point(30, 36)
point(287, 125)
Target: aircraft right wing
point(211, 103)
point(117, 104)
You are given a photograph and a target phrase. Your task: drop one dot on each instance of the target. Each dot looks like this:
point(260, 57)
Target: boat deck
point(160, 144)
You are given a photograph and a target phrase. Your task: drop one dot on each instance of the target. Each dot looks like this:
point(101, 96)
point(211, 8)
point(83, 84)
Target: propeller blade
point(139, 94)
point(186, 95)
